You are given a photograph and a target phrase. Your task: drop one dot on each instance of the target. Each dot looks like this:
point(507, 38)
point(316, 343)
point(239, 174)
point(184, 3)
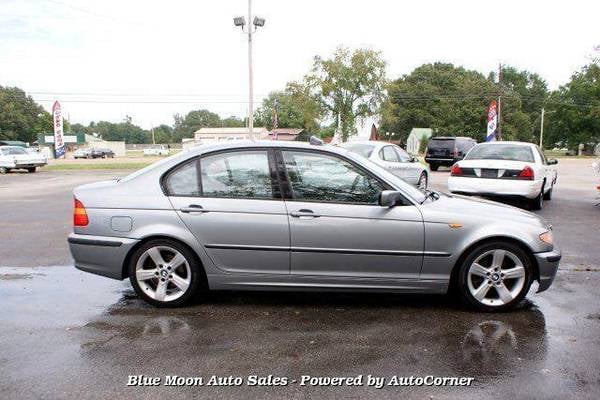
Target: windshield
point(508, 152)
point(410, 190)
point(14, 150)
point(441, 143)
point(361, 149)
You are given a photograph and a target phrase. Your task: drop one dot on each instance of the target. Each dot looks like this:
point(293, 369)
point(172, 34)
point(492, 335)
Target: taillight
point(80, 217)
point(455, 171)
point(526, 174)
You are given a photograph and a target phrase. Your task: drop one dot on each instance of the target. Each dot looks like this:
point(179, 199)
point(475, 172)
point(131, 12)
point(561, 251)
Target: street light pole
point(250, 75)
point(250, 28)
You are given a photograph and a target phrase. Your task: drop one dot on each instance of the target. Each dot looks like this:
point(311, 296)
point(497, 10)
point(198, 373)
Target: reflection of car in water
point(399, 334)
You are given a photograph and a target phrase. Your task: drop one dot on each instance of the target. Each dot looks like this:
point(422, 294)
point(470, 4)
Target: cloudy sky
point(151, 59)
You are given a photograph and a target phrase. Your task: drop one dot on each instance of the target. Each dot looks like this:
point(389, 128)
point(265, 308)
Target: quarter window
point(183, 181)
point(238, 174)
point(403, 155)
point(388, 154)
point(324, 178)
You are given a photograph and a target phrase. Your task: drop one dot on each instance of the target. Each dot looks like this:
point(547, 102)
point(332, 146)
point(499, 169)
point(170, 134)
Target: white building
point(416, 136)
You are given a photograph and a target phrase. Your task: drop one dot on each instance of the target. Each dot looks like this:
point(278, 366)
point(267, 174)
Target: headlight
point(546, 237)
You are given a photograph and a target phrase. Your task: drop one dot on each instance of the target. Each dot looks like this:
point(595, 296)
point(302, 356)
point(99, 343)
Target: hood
point(451, 208)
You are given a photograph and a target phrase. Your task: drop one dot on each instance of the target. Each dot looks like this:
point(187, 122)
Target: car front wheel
point(165, 273)
point(4, 170)
point(495, 276)
point(422, 183)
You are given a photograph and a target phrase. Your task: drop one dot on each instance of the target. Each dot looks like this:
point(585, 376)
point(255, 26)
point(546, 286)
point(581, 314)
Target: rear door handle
point(304, 213)
point(193, 208)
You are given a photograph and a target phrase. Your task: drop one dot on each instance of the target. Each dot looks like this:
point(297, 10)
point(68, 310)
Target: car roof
point(376, 143)
point(242, 144)
point(496, 142)
point(450, 138)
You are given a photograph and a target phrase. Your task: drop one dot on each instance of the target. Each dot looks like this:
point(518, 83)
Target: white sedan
point(505, 169)
point(15, 157)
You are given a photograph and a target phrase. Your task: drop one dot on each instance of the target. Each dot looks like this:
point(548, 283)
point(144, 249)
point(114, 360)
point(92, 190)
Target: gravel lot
point(66, 334)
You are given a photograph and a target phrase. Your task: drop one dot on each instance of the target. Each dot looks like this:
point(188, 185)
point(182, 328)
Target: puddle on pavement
point(96, 324)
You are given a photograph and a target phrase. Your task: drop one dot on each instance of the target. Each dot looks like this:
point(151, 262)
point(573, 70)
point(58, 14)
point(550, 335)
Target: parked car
point(102, 153)
point(393, 158)
point(505, 169)
point(82, 153)
point(157, 150)
point(276, 215)
point(445, 151)
point(16, 157)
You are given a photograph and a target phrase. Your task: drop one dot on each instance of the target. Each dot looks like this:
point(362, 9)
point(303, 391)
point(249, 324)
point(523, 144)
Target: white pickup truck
point(157, 150)
point(15, 157)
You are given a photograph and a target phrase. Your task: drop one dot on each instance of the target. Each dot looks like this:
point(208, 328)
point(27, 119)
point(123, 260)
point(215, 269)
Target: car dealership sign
point(59, 144)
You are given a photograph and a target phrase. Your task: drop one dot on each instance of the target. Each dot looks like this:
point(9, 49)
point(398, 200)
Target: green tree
point(21, 118)
point(296, 108)
point(451, 100)
point(186, 126)
point(349, 85)
point(574, 110)
point(162, 134)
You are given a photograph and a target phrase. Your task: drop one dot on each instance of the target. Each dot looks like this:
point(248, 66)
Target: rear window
point(441, 144)
point(508, 152)
point(364, 150)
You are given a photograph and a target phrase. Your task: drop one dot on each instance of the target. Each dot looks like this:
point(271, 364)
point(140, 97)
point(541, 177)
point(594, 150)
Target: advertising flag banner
point(492, 122)
point(59, 144)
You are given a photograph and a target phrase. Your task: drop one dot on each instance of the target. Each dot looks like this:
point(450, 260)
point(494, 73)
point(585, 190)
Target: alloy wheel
point(422, 184)
point(163, 273)
point(496, 277)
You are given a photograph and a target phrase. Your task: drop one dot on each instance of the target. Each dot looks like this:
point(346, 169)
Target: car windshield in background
point(441, 143)
point(508, 152)
point(364, 150)
point(14, 150)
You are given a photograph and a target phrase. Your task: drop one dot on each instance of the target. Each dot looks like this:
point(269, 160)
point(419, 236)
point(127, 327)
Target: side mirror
point(553, 161)
point(414, 159)
point(390, 198)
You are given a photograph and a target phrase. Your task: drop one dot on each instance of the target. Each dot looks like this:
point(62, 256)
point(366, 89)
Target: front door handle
point(304, 213)
point(193, 208)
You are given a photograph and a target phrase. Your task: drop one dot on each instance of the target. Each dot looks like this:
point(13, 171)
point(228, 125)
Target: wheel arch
point(453, 284)
point(127, 260)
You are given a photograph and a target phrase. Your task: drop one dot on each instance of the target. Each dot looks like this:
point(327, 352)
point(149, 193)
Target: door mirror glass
point(553, 161)
point(390, 198)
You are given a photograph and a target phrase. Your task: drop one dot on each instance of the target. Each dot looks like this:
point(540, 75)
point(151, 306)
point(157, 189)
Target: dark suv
point(447, 150)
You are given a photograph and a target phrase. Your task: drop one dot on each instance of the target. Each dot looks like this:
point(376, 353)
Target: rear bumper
point(440, 160)
point(547, 266)
point(494, 187)
point(100, 255)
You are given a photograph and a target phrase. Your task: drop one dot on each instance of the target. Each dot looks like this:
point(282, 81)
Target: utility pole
point(499, 128)
point(251, 28)
point(542, 131)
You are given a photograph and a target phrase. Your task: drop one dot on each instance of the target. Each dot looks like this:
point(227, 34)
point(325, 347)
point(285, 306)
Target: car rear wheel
point(495, 276)
point(433, 166)
point(31, 170)
point(4, 170)
point(538, 202)
point(165, 273)
point(422, 183)
point(548, 194)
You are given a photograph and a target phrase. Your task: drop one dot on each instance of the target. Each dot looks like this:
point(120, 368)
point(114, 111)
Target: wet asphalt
point(65, 334)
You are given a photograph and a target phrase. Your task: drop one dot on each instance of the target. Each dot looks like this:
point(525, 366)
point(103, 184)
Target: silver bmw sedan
point(280, 215)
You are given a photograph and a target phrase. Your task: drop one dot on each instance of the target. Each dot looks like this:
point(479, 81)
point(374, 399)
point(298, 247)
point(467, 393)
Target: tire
point(31, 170)
point(489, 289)
point(190, 276)
point(433, 167)
point(422, 182)
point(538, 202)
point(4, 170)
point(548, 194)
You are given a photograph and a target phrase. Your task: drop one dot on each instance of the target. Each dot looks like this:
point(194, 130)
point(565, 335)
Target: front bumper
point(547, 265)
point(100, 255)
point(494, 187)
